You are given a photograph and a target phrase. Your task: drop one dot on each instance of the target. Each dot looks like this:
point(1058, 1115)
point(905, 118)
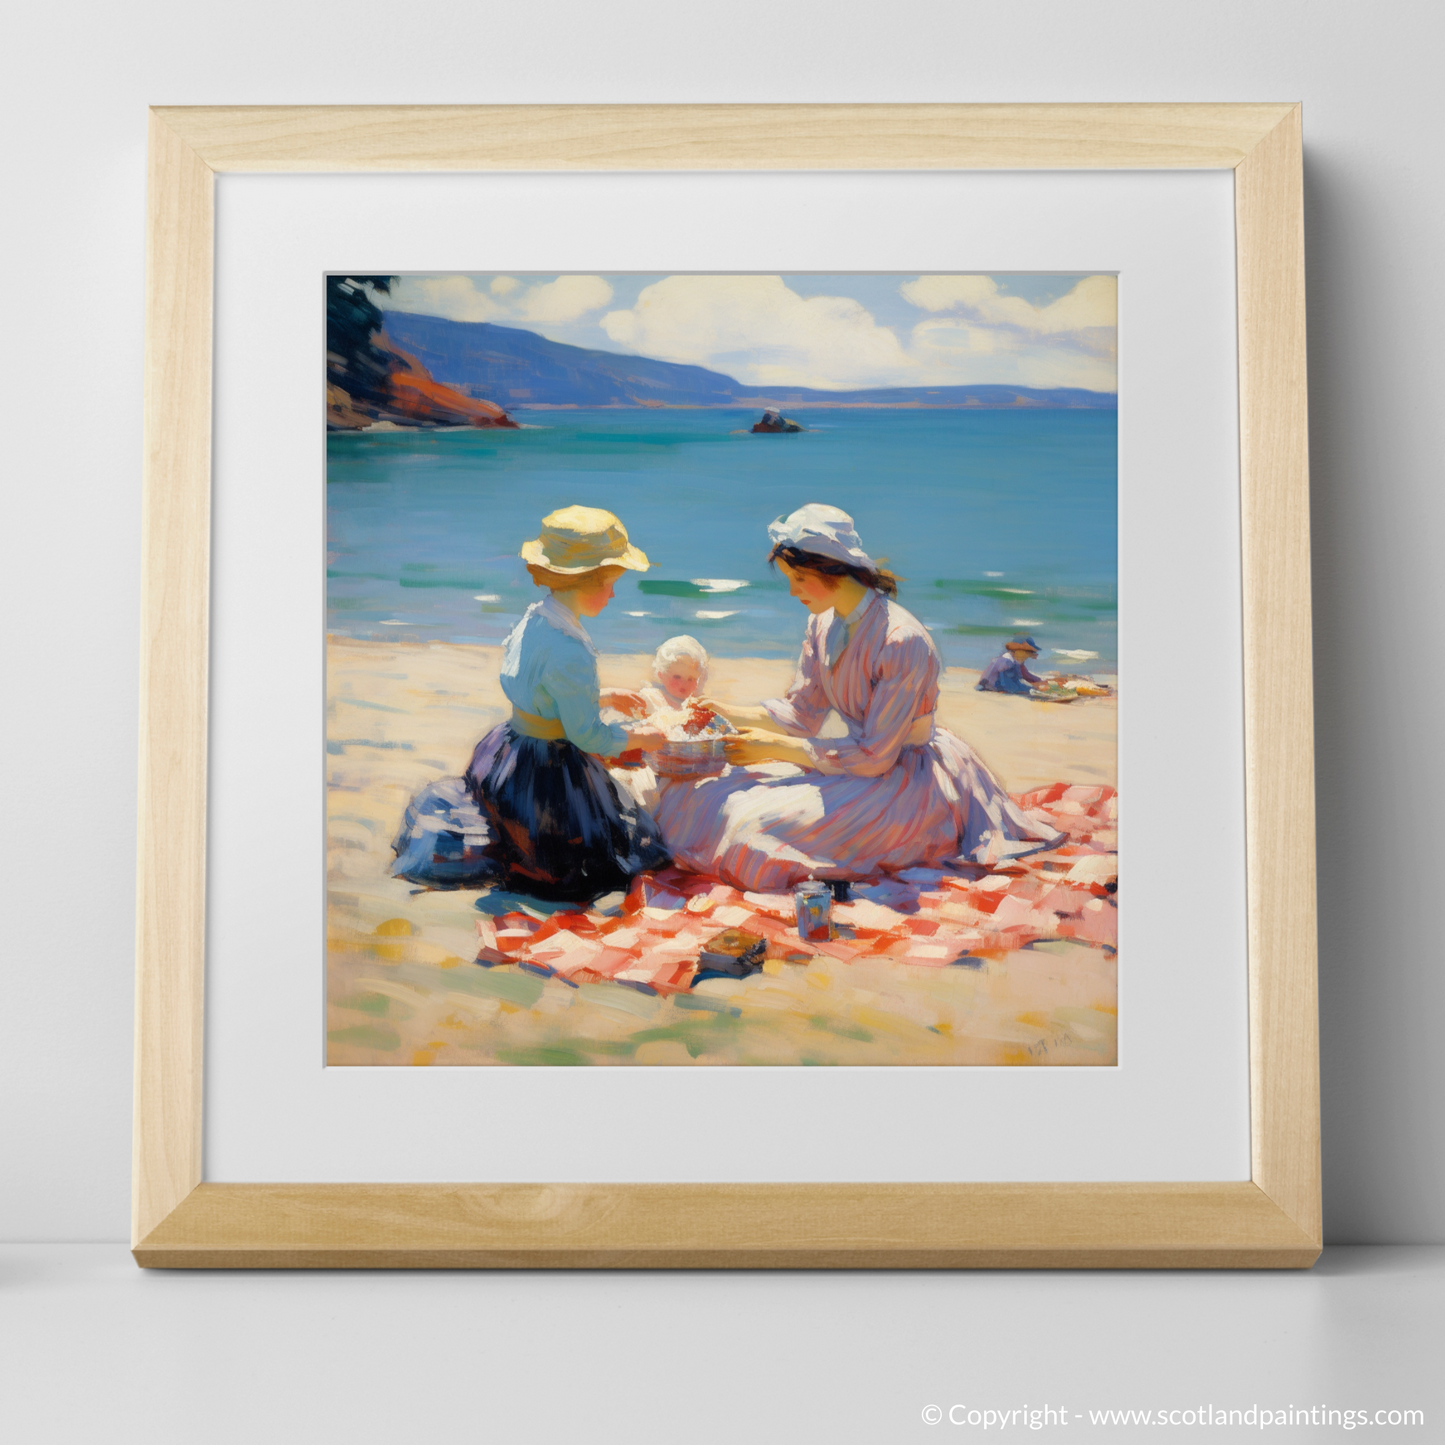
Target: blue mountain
point(517, 369)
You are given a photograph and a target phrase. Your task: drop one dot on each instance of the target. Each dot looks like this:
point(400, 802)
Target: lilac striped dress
point(896, 792)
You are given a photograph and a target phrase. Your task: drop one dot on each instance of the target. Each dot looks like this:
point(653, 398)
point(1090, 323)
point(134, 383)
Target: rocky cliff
point(404, 394)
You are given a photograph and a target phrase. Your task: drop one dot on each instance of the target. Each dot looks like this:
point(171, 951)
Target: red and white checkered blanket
point(927, 917)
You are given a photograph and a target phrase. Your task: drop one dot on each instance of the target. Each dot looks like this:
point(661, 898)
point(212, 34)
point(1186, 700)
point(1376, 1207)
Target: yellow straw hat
point(580, 539)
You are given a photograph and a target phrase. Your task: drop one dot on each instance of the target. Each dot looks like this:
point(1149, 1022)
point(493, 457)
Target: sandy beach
point(402, 986)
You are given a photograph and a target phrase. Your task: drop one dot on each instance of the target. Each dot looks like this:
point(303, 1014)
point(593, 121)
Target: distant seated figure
point(1008, 672)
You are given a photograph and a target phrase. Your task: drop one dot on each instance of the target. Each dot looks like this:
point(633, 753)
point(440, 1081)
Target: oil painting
point(721, 669)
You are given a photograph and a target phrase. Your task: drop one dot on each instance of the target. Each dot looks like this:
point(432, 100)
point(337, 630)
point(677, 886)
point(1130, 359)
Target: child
point(547, 818)
point(680, 669)
point(1009, 671)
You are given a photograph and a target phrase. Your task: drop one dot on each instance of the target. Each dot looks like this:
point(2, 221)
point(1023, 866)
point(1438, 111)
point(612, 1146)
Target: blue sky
point(830, 331)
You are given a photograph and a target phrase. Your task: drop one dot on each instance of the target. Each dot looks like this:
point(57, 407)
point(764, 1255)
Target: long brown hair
point(880, 579)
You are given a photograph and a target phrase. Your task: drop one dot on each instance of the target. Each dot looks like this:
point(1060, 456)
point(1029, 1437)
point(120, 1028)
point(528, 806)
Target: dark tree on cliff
point(353, 362)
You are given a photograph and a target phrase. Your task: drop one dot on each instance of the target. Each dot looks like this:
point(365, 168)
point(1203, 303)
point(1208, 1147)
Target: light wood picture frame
point(1271, 1220)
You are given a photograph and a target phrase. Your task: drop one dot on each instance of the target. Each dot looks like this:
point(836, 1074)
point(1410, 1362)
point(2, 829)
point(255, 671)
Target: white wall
point(78, 79)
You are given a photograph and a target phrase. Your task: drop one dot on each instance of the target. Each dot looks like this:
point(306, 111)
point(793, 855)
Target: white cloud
point(953, 351)
point(454, 297)
point(760, 331)
point(1093, 303)
point(506, 299)
point(564, 299)
point(983, 334)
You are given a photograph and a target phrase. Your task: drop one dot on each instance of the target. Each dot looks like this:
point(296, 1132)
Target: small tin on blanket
point(813, 902)
point(735, 952)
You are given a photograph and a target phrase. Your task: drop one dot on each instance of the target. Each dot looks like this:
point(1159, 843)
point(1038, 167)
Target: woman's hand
point(648, 738)
point(740, 716)
point(749, 747)
point(630, 704)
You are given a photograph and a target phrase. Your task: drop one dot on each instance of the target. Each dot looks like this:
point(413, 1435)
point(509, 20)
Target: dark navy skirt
point(532, 816)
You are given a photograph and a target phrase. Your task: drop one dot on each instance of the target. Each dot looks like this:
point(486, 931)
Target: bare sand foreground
point(402, 987)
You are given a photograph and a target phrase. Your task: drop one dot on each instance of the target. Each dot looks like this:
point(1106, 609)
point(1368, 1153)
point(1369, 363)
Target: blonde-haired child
point(679, 670)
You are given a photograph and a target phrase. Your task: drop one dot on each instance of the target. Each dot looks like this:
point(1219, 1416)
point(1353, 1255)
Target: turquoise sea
point(996, 522)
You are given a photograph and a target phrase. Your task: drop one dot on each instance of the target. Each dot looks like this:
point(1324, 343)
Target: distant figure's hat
point(1022, 640)
point(824, 531)
point(580, 539)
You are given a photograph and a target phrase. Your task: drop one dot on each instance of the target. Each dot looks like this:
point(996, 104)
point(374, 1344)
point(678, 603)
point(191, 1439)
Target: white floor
point(93, 1349)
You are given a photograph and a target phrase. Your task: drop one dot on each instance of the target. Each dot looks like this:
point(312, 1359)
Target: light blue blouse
point(549, 668)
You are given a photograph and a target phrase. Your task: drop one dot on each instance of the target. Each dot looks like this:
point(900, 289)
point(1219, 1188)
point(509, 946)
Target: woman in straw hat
point(896, 792)
point(547, 818)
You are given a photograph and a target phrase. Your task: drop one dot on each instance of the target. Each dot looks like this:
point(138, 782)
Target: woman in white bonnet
point(896, 792)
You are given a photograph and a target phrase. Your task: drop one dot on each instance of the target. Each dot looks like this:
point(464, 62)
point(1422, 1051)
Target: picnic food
point(734, 952)
point(699, 718)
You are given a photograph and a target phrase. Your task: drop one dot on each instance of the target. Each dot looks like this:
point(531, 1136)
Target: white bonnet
point(824, 531)
point(676, 647)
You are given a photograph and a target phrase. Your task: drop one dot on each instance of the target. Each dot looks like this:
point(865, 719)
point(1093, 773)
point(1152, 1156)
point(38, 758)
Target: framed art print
point(640, 908)
point(808, 669)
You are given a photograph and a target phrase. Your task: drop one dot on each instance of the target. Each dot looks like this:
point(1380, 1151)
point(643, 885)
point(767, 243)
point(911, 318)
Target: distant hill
point(517, 369)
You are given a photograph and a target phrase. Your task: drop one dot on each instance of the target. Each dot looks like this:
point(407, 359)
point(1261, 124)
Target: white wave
point(993, 574)
point(1027, 622)
point(486, 597)
point(717, 584)
point(1074, 654)
point(715, 616)
point(637, 614)
point(396, 622)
